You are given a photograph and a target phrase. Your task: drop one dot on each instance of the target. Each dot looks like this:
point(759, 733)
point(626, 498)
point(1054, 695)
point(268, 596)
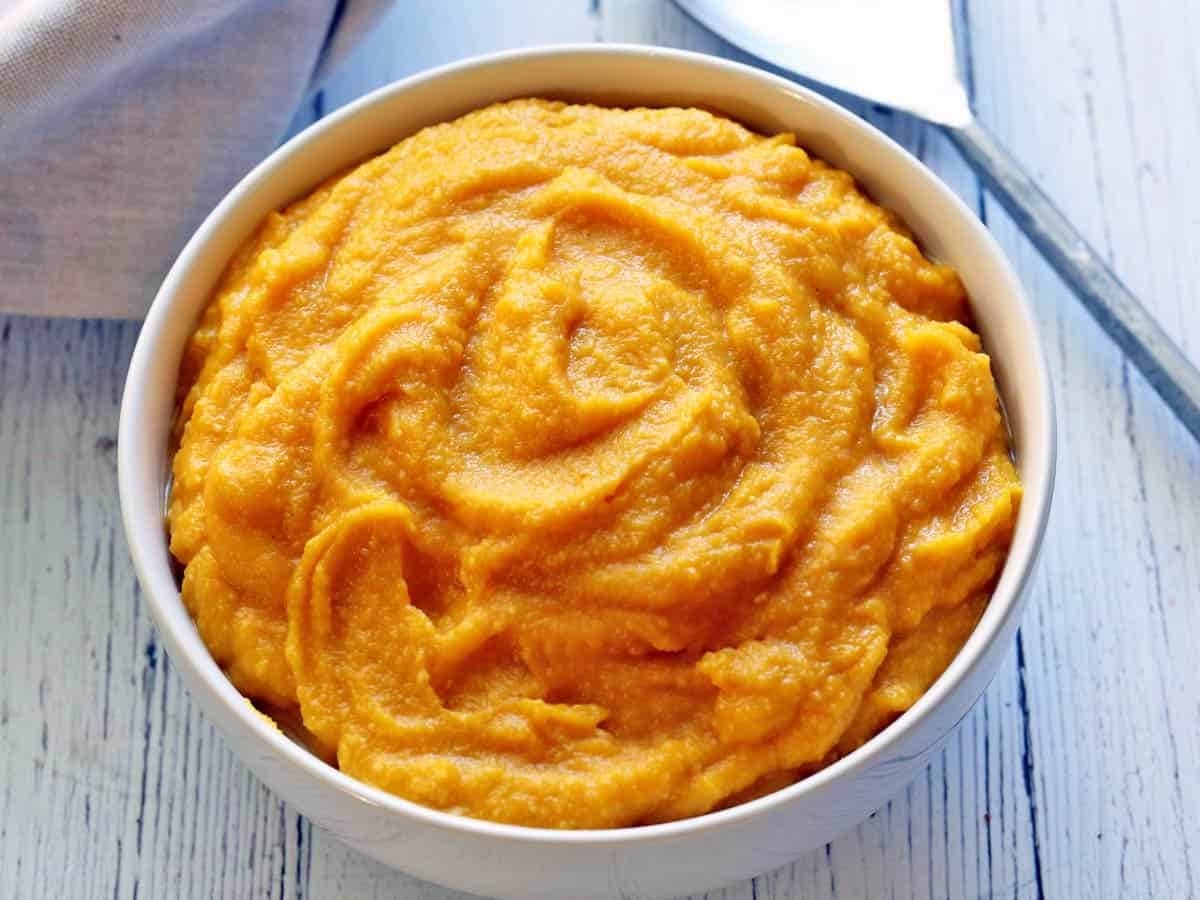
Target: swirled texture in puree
point(575, 467)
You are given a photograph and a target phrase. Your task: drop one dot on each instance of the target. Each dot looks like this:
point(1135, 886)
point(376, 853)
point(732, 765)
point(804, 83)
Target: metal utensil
point(903, 55)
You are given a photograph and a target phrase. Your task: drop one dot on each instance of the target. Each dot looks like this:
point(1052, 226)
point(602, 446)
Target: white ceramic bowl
point(660, 860)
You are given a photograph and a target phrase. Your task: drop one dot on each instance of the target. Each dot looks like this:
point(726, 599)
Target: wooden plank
point(1113, 696)
point(420, 34)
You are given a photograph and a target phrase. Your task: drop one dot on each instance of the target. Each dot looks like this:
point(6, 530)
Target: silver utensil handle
point(1111, 304)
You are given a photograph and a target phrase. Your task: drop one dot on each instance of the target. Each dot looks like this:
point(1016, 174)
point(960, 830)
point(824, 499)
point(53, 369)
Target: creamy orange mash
point(586, 467)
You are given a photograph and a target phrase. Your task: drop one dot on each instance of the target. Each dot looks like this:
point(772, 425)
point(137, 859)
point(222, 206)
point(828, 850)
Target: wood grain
point(1076, 776)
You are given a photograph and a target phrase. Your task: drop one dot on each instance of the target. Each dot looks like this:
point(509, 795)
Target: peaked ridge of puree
point(585, 467)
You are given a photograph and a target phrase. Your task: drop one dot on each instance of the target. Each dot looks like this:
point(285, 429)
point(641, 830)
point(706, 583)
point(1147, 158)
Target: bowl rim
point(203, 669)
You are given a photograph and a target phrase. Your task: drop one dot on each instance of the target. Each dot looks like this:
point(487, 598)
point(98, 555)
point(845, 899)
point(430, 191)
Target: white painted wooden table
point(1078, 775)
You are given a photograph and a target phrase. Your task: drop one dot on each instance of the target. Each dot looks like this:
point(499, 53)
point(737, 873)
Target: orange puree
point(586, 467)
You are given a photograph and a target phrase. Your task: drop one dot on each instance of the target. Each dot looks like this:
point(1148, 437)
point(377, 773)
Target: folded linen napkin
point(123, 122)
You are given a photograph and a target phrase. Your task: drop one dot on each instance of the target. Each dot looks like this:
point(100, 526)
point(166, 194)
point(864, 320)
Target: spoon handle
point(1111, 304)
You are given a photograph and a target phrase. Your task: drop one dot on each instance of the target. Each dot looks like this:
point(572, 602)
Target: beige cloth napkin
point(123, 122)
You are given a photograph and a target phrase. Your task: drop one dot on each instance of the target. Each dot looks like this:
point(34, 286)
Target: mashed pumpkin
point(587, 467)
